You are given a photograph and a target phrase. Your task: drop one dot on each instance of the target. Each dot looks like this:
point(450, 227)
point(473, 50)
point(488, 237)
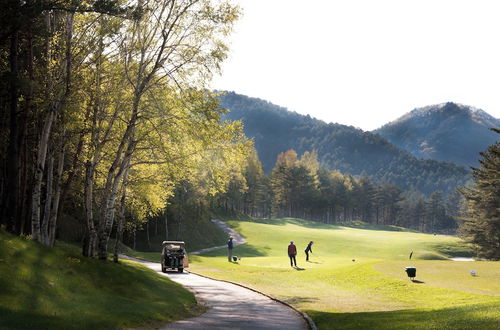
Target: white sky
point(366, 62)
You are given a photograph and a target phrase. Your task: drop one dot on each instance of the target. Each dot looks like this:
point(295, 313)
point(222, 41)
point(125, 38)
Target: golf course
point(356, 275)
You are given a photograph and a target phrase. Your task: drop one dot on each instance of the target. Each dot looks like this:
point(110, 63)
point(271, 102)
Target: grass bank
point(356, 279)
point(197, 233)
point(43, 288)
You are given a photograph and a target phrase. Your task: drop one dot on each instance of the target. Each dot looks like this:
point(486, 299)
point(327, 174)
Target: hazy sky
point(366, 62)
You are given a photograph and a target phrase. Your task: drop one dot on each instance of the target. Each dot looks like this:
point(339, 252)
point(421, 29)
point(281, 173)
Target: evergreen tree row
point(300, 187)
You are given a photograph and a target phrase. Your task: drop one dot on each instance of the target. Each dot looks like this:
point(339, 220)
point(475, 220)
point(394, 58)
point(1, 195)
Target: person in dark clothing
point(292, 252)
point(308, 249)
point(230, 249)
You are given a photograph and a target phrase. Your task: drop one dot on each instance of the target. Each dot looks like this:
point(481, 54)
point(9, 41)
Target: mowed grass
point(43, 288)
point(356, 279)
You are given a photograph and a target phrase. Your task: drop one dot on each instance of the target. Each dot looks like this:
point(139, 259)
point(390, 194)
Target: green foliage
point(187, 219)
point(299, 187)
point(481, 225)
point(43, 288)
point(294, 183)
point(116, 97)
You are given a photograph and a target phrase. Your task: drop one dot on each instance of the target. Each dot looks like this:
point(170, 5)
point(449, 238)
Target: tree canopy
point(105, 110)
point(481, 224)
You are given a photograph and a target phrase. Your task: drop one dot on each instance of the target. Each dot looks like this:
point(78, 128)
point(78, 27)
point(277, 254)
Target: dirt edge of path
point(307, 318)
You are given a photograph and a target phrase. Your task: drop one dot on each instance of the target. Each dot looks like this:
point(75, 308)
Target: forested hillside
point(339, 147)
point(446, 132)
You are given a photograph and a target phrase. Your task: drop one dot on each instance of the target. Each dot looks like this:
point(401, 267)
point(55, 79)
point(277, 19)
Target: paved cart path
point(237, 237)
point(230, 306)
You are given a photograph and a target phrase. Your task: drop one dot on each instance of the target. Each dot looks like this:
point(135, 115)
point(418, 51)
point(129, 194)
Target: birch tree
point(171, 43)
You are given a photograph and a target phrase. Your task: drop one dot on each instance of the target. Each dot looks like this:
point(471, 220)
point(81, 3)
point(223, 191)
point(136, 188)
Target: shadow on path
point(230, 306)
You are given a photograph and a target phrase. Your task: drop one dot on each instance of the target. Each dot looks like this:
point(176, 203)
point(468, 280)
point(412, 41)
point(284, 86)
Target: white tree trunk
point(48, 199)
point(88, 248)
point(39, 170)
point(57, 195)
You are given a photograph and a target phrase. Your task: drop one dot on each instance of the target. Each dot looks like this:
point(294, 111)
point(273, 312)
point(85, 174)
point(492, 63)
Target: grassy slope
point(196, 232)
point(371, 292)
point(42, 288)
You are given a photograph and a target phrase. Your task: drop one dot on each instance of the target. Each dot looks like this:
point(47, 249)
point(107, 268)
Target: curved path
point(230, 306)
point(237, 237)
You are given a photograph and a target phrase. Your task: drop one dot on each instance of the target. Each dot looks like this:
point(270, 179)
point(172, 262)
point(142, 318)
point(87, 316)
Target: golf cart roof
point(173, 242)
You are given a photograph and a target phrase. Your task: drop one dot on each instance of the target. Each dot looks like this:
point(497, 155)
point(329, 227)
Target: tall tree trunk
point(106, 223)
point(26, 186)
point(134, 239)
point(11, 196)
point(72, 170)
point(39, 170)
point(177, 237)
point(57, 194)
point(121, 219)
point(54, 109)
point(147, 235)
point(166, 224)
point(48, 199)
point(90, 232)
point(115, 175)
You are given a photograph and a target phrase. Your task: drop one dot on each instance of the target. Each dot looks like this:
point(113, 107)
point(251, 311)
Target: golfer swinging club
point(308, 249)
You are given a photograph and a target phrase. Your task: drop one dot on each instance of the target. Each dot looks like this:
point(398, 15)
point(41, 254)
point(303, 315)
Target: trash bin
point(411, 271)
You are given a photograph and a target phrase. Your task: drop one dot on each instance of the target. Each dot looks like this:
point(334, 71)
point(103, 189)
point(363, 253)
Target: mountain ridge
point(275, 129)
point(445, 132)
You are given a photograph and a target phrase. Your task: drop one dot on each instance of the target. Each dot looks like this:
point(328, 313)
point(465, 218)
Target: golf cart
point(174, 256)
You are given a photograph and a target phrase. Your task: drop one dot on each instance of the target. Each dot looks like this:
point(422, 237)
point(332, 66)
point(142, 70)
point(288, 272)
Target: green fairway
point(356, 278)
point(44, 288)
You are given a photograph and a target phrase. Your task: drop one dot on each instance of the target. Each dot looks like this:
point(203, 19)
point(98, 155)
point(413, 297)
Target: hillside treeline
point(300, 187)
point(350, 150)
point(104, 111)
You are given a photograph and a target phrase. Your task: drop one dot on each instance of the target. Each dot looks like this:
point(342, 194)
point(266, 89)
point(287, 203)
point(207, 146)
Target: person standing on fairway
point(292, 252)
point(229, 249)
point(309, 249)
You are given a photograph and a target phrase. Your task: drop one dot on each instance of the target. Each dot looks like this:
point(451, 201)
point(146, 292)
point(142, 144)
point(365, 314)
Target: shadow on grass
point(371, 226)
point(481, 316)
point(298, 268)
point(15, 319)
point(321, 225)
point(417, 281)
point(429, 256)
point(242, 251)
point(300, 300)
point(454, 249)
point(286, 221)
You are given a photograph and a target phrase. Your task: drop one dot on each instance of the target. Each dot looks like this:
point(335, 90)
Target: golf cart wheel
point(180, 270)
point(163, 269)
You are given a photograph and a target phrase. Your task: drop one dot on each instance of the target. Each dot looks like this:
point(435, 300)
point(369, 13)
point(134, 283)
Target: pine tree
point(481, 224)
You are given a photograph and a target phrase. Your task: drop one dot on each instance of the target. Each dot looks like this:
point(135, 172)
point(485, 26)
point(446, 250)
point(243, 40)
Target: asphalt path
point(237, 237)
point(230, 306)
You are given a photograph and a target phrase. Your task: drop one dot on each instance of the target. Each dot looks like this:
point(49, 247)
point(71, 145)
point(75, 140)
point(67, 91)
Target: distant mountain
point(447, 132)
point(344, 148)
